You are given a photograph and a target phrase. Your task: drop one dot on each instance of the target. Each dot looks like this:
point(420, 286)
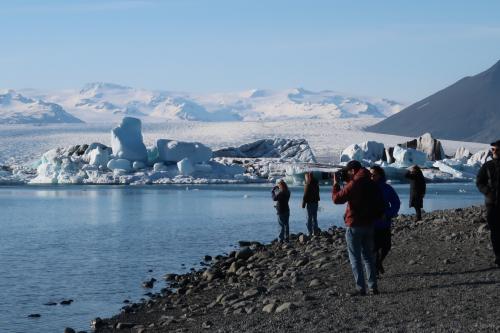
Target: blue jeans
point(312, 217)
point(360, 247)
point(283, 222)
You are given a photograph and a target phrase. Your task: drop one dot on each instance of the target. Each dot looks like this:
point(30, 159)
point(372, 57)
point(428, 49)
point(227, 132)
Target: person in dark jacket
point(359, 223)
point(417, 190)
point(382, 235)
point(310, 201)
point(488, 183)
point(281, 195)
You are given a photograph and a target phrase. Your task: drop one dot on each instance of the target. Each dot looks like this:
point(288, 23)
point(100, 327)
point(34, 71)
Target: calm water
point(96, 244)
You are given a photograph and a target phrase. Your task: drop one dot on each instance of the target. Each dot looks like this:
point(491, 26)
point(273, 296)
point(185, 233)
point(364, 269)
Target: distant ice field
point(26, 143)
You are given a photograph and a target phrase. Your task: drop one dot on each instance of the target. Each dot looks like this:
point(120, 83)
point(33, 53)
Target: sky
point(402, 50)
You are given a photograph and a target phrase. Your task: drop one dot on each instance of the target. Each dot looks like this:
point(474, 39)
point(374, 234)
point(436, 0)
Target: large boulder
point(368, 150)
point(407, 157)
point(126, 140)
point(175, 151)
point(427, 144)
point(297, 150)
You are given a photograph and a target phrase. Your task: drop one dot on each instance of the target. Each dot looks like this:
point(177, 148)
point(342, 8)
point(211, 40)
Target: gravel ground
point(439, 277)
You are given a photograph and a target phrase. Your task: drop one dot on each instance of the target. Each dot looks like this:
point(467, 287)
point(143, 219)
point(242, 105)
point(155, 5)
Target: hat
point(495, 144)
point(353, 165)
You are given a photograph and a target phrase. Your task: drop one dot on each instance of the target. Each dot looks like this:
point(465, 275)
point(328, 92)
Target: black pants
point(418, 213)
point(493, 218)
point(382, 245)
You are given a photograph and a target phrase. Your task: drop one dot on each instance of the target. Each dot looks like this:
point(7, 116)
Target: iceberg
point(368, 150)
point(126, 140)
point(172, 151)
point(405, 157)
point(185, 167)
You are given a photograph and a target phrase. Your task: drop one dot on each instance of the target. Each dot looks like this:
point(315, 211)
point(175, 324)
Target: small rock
point(34, 315)
point(207, 258)
point(50, 303)
point(149, 284)
point(96, 323)
point(269, 308)
point(206, 324)
point(123, 326)
point(69, 330)
point(302, 239)
point(483, 228)
point(244, 253)
point(170, 277)
point(66, 302)
point(287, 306)
point(314, 283)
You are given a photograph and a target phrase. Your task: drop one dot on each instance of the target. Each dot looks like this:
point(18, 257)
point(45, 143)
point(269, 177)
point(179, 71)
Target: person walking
point(364, 202)
point(488, 183)
point(281, 194)
point(417, 190)
point(310, 202)
point(382, 235)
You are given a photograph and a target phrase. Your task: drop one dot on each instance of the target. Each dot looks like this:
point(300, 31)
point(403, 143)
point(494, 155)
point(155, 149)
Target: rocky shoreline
point(439, 277)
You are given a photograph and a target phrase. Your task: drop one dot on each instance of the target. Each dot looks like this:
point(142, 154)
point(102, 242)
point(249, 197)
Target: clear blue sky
point(403, 50)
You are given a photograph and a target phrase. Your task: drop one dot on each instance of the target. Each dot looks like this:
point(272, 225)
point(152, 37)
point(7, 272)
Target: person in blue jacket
point(382, 233)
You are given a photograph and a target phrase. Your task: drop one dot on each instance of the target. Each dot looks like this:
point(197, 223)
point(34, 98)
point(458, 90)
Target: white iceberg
point(368, 150)
point(175, 151)
point(185, 167)
point(405, 157)
point(126, 140)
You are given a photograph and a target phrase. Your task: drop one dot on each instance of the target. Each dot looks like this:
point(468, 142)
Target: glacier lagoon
point(97, 244)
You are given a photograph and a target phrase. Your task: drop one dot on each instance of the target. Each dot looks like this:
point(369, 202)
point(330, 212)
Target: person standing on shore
point(310, 202)
point(382, 236)
point(364, 203)
point(488, 183)
point(417, 190)
point(281, 194)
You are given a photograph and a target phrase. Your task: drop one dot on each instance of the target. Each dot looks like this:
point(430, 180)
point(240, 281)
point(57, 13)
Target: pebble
point(287, 306)
point(269, 308)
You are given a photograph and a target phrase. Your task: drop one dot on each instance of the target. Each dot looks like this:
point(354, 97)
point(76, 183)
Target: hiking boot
point(357, 292)
point(374, 291)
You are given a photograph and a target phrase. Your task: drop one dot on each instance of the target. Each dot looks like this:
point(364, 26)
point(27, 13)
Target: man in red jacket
point(358, 194)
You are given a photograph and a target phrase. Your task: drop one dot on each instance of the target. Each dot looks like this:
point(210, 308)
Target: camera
point(340, 175)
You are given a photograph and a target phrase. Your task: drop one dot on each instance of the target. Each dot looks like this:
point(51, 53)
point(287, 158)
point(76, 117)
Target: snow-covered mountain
point(99, 101)
point(18, 109)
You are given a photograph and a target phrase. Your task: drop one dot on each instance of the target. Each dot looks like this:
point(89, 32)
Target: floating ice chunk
point(126, 140)
point(159, 167)
point(185, 167)
point(119, 165)
point(138, 165)
point(368, 150)
point(175, 151)
point(462, 153)
point(427, 144)
point(406, 157)
point(478, 158)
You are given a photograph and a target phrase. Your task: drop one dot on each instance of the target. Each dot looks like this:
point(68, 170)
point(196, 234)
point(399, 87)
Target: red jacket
point(352, 193)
